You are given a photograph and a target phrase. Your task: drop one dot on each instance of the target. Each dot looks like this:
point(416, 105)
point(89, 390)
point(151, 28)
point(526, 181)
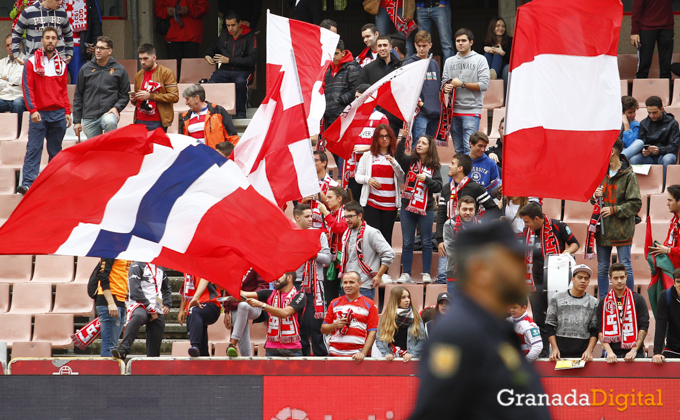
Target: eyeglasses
point(102, 48)
point(349, 216)
point(384, 137)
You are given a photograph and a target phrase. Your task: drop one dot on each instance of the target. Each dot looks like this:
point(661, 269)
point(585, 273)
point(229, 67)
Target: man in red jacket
point(44, 86)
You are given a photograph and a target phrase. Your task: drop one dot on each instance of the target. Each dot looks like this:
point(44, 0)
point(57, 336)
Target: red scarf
point(592, 228)
point(396, 350)
point(350, 168)
point(445, 117)
point(336, 239)
point(399, 23)
point(359, 248)
point(415, 190)
point(615, 327)
point(364, 58)
point(288, 331)
point(324, 185)
point(549, 246)
point(673, 230)
point(452, 205)
point(86, 335)
point(41, 59)
point(310, 284)
point(458, 226)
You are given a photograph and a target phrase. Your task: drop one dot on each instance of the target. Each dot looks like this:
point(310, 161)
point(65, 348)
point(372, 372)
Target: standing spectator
point(526, 329)
point(402, 14)
point(336, 224)
point(484, 169)
point(207, 122)
point(325, 183)
point(237, 314)
point(380, 173)
point(352, 320)
point(101, 92)
point(465, 219)
point(401, 332)
point(630, 128)
point(310, 275)
point(11, 72)
point(497, 49)
point(150, 300)
point(308, 11)
point(155, 91)
point(543, 236)
point(283, 304)
point(329, 24)
point(340, 83)
point(204, 310)
point(37, 18)
point(44, 84)
point(622, 319)
point(235, 52)
point(468, 73)
point(671, 245)
point(363, 249)
point(422, 180)
point(667, 337)
point(660, 134)
point(620, 203)
point(370, 34)
point(186, 27)
point(110, 301)
point(428, 118)
point(438, 13)
point(571, 322)
point(88, 37)
point(652, 23)
point(77, 12)
point(249, 11)
point(496, 152)
point(510, 210)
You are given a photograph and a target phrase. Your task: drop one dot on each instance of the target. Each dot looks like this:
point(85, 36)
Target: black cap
point(444, 296)
point(499, 232)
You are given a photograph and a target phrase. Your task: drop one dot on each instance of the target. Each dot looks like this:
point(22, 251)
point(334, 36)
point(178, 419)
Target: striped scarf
point(415, 190)
point(452, 205)
point(673, 230)
point(311, 284)
point(592, 228)
point(359, 249)
point(275, 328)
point(41, 60)
point(445, 117)
point(619, 327)
point(549, 246)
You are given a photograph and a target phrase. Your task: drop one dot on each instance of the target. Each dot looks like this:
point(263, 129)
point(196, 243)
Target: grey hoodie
point(99, 89)
point(472, 68)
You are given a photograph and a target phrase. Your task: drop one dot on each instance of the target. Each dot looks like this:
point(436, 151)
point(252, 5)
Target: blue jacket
point(485, 172)
point(414, 345)
point(430, 92)
point(628, 137)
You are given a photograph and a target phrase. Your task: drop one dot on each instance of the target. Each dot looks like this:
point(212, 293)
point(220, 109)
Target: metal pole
point(134, 17)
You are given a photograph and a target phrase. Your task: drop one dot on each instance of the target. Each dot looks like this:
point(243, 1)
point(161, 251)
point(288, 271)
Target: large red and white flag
point(314, 48)
point(275, 152)
point(397, 93)
point(563, 110)
point(159, 198)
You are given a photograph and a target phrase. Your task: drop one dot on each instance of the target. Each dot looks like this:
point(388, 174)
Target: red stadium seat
point(31, 349)
point(218, 333)
point(23, 133)
point(31, 298)
point(55, 328)
point(131, 66)
point(8, 180)
point(4, 297)
point(446, 153)
point(126, 118)
point(638, 247)
point(53, 269)
point(641, 114)
point(181, 106)
point(494, 96)
point(394, 271)
point(222, 94)
point(169, 63)
point(417, 266)
point(71, 89)
point(84, 268)
point(676, 93)
point(258, 336)
point(15, 327)
point(12, 153)
point(397, 238)
point(644, 88)
point(431, 292)
point(627, 66)
point(624, 87)
point(9, 126)
point(174, 127)
point(484, 123)
point(498, 115)
point(72, 298)
point(195, 69)
point(15, 268)
point(180, 348)
point(651, 183)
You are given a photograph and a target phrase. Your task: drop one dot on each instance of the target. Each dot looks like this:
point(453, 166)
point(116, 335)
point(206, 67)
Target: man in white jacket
point(11, 72)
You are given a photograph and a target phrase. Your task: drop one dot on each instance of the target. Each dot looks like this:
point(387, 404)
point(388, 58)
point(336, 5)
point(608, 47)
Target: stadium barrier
point(66, 366)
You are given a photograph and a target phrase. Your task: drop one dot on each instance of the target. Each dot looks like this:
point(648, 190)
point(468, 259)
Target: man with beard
point(465, 219)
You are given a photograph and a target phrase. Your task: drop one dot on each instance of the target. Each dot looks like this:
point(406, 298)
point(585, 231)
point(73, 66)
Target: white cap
point(582, 267)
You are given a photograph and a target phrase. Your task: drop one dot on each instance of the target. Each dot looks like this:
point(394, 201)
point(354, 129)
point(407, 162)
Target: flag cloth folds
point(158, 198)
point(397, 93)
point(275, 152)
point(564, 98)
point(661, 267)
point(314, 48)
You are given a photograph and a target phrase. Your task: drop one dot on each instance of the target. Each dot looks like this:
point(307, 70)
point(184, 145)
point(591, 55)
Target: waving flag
point(314, 48)
point(564, 99)
point(156, 198)
point(397, 93)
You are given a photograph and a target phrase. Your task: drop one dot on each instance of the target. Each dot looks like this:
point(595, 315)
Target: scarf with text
point(349, 316)
point(335, 242)
point(592, 228)
point(85, 336)
point(399, 23)
point(359, 249)
point(41, 61)
point(76, 10)
point(285, 331)
point(619, 326)
point(452, 205)
point(311, 284)
point(445, 117)
point(673, 230)
point(349, 168)
point(324, 185)
point(549, 246)
point(415, 190)
point(407, 128)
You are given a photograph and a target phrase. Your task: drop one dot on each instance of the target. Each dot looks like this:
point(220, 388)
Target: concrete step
point(138, 347)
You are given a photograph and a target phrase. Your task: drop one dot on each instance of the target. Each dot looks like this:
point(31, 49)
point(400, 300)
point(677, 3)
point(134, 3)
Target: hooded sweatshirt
point(340, 86)
point(242, 51)
point(430, 92)
point(472, 68)
point(34, 19)
point(662, 133)
point(101, 88)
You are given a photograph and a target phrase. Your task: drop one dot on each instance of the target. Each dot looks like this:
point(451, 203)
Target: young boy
point(630, 128)
point(526, 329)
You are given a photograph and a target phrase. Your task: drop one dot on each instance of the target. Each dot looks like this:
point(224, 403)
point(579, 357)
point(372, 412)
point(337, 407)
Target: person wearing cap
point(442, 307)
point(472, 354)
point(571, 321)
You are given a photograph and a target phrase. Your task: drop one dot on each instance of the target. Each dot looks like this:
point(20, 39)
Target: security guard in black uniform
point(473, 364)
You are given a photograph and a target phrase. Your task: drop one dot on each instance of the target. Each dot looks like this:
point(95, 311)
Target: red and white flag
point(275, 152)
point(563, 111)
point(314, 48)
point(397, 93)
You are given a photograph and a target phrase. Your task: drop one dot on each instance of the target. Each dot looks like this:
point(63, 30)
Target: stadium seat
point(4, 297)
point(644, 88)
point(658, 208)
point(65, 144)
point(624, 87)
point(195, 69)
point(174, 127)
point(627, 66)
point(55, 328)
point(258, 336)
point(15, 327)
point(416, 294)
point(659, 231)
point(641, 114)
point(8, 180)
point(484, 123)
point(130, 107)
point(132, 67)
point(180, 349)
point(218, 333)
point(15, 268)
point(672, 175)
point(31, 298)
point(651, 183)
point(53, 269)
point(12, 153)
point(417, 266)
point(446, 153)
point(71, 89)
point(394, 270)
point(181, 106)
point(23, 133)
point(222, 94)
point(9, 126)
point(397, 238)
point(676, 93)
point(84, 268)
point(552, 207)
point(126, 118)
point(8, 202)
point(638, 247)
point(498, 115)
point(72, 298)
point(431, 292)
point(493, 97)
point(575, 211)
point(31, 349)
point(169, 63)
point(674, 110)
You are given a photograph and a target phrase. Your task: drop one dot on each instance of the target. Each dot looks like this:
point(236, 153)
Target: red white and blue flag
point(165, 199)
point(563, 110)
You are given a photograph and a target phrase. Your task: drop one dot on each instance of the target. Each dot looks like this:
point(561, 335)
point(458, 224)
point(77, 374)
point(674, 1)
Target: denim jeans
point(604, 258)
point(111, 329)
point(386, 27)
point(369, 293)
point(441, 270)
point(425, 125)
point(152, 125)
point(104, 124)
point(52, 128)
point(283, 352)
point(452, 287)
point(409, 221)
point(441, 17)
point(461, 130)
point(495, 62)
point(17, 106)
point(634, 148)
point(75, 64)
point(240, 79)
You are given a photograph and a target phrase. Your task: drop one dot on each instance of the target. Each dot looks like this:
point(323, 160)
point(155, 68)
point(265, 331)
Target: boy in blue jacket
point(630, 128)
point(484, 169)
point(428, 118)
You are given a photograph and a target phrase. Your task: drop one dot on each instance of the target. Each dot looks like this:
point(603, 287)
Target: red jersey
point(386, 197)
point(147, 110)
point(363, 320)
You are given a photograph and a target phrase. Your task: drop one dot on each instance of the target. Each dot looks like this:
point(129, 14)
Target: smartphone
point(646, 146)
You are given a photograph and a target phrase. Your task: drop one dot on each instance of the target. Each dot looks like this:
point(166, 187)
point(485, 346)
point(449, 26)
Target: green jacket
point(622, 194)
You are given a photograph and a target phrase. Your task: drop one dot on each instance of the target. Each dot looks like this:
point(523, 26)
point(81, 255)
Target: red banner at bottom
point(66, 366)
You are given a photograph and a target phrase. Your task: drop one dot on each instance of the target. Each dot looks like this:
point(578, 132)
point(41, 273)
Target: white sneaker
point(404, 278)
point(387, 279)
point(426, 278)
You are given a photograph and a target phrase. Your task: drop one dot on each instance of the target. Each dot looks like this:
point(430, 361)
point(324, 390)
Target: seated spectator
point(630, 129)
point(340, 83)
point(206, 122)
point(225, 148)
point(571, 321)
point(427, 120)
point(660, 134)
point(11, 72)
point(336, 225)
point(497, 49)
point(329, 24)
point(235, 52)
point(401, 332)
point(667, 337)
point(496, 152)
point(283, 304)
point(370, 34)
point(379, 173)
point(510, 209)
point(352, 321)
point(622, 319)
point(363, 250)
point(150, 300)
point(463, 220)
point(422, 181)
point(526, 329)
point(237, 314)
point(484, 169)
point(204, 310)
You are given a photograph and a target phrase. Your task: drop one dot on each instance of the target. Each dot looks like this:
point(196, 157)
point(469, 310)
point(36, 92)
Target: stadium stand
point(644, 88)
point(169, 63)
point(15, 327)
point(4, 297)
point(218, 333)
point(132, 68)
point(72, 298)
point(9, 126)
point(53, 269)
point(15, 268)
point(31, 349)
point(195, 69)
point(498, 115)
point(431, 293)
point(84, 267)
point(651, 183)
point(8, 180)
point(494, 96)
point(31, 298)
point(54, 328)
point(180, 348)
point(222, 94)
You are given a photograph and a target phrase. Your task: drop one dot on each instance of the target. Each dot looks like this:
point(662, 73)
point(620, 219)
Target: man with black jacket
point(235, 52)
point(667, 338)
point(101, 92)
point(660, 134)
point(341, 83)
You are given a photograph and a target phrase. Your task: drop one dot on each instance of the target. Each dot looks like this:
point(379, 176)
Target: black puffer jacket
point(242, 51)
point(662, 133)
point(340, 89)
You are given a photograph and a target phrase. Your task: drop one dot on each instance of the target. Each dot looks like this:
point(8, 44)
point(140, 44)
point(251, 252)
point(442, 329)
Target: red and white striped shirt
point(386, 197)
point(196, 127)
point(364, 319)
